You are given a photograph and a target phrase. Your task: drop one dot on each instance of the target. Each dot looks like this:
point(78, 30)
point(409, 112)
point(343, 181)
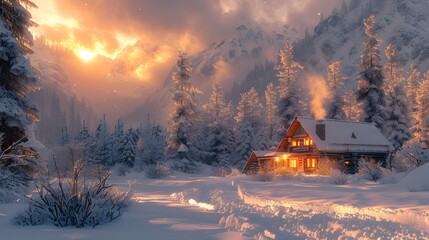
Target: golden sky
point(139, 39)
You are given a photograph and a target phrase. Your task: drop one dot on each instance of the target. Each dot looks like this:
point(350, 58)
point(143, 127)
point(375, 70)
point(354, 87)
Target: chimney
point(320, 131)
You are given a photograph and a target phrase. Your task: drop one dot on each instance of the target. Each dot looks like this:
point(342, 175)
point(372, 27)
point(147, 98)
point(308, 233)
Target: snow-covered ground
point(236, 207)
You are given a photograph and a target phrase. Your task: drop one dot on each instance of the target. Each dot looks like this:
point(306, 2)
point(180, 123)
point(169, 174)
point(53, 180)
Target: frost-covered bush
point(412, 155)
point(71, 200)
point(160, 170)
point(391, 177)
point(337, 177)
point(285, 172)
point(264, 175)
point(221, 172)
point(370, 170)
point(325, 165)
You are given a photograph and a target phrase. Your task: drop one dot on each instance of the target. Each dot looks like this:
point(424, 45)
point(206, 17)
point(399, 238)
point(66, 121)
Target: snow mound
point(416, 180)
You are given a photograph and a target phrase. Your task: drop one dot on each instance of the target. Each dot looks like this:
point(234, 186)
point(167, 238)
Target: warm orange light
point(307, 142)
point(292, 163)
point(347, 162)
point(293, 143)
point(284, 156)
point(85, 55)
point(277, 159)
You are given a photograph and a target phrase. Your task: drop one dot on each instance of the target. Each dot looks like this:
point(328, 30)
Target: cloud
point(169, 22)
point(143, 36)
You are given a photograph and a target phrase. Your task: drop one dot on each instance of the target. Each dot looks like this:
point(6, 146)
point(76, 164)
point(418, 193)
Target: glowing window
point(292, 163)
point(294, 143)
point(307, 142)
point(310, 162)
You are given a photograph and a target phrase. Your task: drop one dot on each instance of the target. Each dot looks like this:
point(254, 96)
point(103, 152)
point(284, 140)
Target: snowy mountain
point(226, 61)
point(340, 36)
point(59, 108)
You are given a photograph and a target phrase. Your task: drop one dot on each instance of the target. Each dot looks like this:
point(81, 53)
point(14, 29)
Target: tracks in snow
point(266, 219)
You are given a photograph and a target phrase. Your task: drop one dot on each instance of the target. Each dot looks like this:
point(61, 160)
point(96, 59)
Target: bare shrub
point(160, 170)
point(370, 170)
point(69, 199)
point(337, 177)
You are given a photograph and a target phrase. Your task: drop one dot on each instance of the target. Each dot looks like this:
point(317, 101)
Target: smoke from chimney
point(319, 93)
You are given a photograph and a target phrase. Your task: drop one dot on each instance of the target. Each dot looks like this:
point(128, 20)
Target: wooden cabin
point(308, 141)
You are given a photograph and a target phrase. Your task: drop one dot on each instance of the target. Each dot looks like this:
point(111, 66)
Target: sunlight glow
point(205, 206)
point(84, 54)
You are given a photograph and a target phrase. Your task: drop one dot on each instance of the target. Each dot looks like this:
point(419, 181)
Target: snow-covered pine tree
point(270, 112)
point(397, 125)
point(128, 154)
point(216, 104)
point(150, 145)
point(103, 145)
point(288, 70)
point(411, 86)
point(219, 138)
point(17, 79)
point(180, 151)
point(370, 82)
point(245, 140)
point(421, 115)
point(64, 140)
point(249, 109)
point(352, 108)
point(336, 83)
point(86, 141)
point(249, 119)
point(117, 147)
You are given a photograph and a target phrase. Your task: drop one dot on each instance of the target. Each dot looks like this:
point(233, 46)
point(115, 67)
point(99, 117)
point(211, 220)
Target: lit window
point(293, 143)
point(311, 162)
point(292, 163)
point(307, 142)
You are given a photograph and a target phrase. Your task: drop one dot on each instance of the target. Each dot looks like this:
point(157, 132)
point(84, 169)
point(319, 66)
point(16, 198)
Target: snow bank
point(416, 180)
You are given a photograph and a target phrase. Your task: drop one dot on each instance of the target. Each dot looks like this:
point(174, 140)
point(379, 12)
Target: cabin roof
point(342, 136)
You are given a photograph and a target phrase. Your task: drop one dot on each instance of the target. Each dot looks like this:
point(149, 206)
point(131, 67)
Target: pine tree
point(64, 137)
point(103, 145)
point(245, 144)
point(128, 155)
point(270, 111)
point(421, 115)
point(289, 104)
point(218, 137)
point(397, 125)
point(87, 142)
point(17, 112)
point(215, 108)
point(183, 118)
point(336, 83)
point(352, 108)
point(17, 77)
point(249, 109)
point(411, 86)
point(288, 69)
point(118, 135)
point(370, 83)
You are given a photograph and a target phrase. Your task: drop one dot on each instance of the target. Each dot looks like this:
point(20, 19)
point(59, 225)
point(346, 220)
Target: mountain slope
point(341, 35)
point(226, 62)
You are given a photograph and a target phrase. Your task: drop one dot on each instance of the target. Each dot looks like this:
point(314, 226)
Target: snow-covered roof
point(268, 154)
point(343, 136)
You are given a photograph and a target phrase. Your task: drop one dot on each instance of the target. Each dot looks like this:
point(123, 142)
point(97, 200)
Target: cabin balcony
point(300, 149)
